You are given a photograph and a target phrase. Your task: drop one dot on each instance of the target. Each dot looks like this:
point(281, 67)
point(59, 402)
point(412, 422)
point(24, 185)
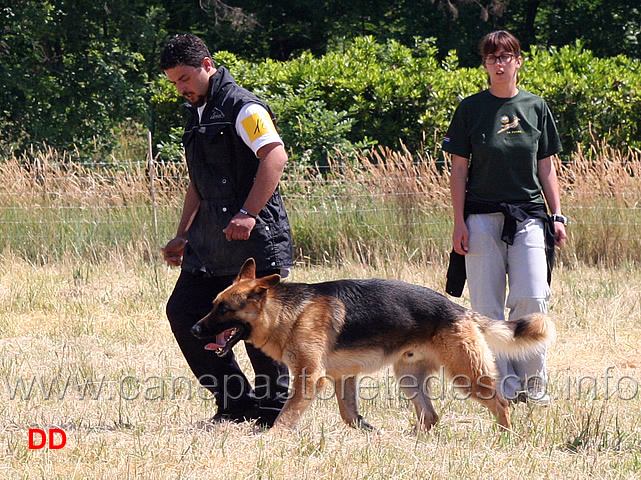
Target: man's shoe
point(267, 415)
point(263, 416)
point(538, 398)
point(519, 397)
point(533, 397)
point(235, 416)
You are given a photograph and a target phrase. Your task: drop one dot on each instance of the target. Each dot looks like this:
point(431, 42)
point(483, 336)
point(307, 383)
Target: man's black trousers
point(190, 301)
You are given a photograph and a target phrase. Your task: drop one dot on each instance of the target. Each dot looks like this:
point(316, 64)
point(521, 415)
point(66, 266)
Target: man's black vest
point(222, 169)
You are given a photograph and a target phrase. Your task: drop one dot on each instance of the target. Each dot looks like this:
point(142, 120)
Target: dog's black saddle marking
point(387, 312)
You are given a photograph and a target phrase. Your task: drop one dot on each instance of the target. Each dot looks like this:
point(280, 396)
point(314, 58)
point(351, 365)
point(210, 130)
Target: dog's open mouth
point(226, 340)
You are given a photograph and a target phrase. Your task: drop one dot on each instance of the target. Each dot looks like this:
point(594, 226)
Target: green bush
point(588, 95)
point(391, 95)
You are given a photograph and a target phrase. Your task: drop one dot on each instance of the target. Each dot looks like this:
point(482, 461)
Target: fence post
point(151, 168)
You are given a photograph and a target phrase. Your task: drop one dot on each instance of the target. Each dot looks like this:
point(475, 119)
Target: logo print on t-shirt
point(256, 126)
point(507, 125)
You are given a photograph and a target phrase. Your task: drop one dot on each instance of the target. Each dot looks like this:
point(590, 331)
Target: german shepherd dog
point(340, 329)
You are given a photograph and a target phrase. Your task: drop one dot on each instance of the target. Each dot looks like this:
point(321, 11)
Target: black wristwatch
point(557, 217)
point(245, 212)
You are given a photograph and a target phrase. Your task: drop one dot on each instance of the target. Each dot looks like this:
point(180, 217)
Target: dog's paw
point(361, 424)
point(282, 427)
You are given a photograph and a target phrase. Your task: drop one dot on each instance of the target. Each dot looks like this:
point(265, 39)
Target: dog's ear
point(247, 271)
point(265, 283)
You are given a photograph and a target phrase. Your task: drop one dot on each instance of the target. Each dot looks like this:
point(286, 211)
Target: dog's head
point(236, 311)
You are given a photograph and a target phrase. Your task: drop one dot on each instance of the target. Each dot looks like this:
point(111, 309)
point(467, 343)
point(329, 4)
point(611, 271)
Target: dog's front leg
point(305, 383)
point(346, 388)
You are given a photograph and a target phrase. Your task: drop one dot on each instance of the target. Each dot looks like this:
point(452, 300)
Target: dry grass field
point(87, 349)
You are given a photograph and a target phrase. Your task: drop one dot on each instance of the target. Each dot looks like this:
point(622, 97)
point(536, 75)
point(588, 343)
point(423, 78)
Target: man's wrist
point(245, 212)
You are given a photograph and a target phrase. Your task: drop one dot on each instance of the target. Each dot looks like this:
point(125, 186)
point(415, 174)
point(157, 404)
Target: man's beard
point(200, 102)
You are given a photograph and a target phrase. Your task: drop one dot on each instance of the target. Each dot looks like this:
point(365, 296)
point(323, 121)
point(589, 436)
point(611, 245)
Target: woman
point(502, 141)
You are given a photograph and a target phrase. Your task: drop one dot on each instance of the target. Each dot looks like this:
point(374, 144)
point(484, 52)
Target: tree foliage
point(75, 70)
point(393, 95)
point(340, 75)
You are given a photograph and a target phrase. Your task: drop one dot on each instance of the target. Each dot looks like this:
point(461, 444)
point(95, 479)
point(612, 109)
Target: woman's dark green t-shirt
point(503, 138)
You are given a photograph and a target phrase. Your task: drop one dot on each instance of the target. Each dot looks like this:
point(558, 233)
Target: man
point(232, 211)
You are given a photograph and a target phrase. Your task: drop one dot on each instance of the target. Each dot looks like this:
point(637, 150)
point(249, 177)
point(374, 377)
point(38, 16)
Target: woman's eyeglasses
point(503, 58)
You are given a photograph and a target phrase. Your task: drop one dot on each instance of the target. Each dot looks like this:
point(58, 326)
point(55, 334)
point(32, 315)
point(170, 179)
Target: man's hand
point(173, 251)
point(240, 227)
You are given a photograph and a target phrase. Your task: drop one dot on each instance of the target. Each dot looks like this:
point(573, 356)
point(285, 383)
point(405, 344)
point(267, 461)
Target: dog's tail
point(517, 338)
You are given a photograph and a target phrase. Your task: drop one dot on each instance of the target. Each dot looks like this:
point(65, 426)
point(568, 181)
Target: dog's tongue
point(213, 346)
point(221, 340)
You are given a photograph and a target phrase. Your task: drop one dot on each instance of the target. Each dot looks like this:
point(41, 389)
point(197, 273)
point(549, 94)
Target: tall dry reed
point(388, 207)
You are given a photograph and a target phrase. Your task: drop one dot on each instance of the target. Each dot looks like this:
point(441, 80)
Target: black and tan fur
point(344, 328)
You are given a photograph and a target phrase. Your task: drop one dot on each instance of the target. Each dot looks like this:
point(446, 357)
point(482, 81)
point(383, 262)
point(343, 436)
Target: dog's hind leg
point(485, 392)
point(412, 378)
point(483, 389)
point(346, 388)
point(469, 363)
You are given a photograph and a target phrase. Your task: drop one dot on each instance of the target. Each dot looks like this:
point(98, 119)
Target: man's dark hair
point(185, 49)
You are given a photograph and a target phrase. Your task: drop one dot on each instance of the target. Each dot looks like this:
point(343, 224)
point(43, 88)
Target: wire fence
point(59, 205)
point(62, 195)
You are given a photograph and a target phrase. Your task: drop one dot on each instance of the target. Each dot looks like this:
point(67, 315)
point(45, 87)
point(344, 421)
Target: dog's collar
point(267, 341)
